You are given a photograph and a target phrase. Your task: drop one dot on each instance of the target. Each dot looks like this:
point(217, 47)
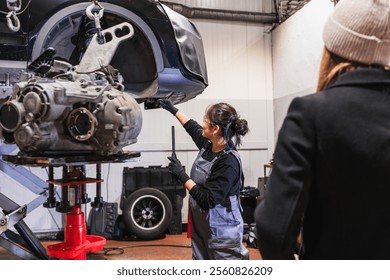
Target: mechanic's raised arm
point(168, 105)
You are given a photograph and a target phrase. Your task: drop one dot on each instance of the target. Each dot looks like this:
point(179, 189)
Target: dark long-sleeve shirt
point(224, 179)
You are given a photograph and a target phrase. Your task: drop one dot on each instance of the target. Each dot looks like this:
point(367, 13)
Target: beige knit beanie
point(359, 30)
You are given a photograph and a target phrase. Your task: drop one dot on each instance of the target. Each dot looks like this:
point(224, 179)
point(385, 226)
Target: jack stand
point(73, 194)
point(76, 241)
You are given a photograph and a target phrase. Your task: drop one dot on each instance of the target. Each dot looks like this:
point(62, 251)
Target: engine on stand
point(67, 112)
point(66, 116)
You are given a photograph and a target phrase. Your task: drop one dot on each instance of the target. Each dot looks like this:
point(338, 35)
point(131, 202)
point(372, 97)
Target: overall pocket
point(226, 228)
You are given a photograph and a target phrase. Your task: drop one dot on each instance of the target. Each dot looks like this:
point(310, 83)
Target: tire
point(147, 213)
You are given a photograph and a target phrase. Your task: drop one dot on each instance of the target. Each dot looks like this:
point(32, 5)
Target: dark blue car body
point(165, 58)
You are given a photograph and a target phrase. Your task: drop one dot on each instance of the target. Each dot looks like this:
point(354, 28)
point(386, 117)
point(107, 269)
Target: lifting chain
point(12, 19)
point(96, 16)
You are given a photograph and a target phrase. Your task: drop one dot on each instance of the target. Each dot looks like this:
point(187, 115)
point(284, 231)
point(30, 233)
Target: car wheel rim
point(148, 212)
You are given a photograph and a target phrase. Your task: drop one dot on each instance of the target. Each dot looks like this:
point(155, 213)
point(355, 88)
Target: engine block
point(70, 113)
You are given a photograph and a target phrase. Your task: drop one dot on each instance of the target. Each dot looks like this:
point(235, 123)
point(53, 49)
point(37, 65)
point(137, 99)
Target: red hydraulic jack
point(76, 241)
point(73, 183)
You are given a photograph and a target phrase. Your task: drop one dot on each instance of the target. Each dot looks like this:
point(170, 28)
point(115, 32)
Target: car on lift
point(163, 59)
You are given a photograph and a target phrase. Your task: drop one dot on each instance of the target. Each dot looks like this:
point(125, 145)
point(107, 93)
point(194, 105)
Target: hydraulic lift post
point(76, 242)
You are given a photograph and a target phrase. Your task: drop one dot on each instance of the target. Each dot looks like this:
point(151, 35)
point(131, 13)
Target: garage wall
point(238, 57)
point(239, 70)
point(239, 65)
point(296, 54)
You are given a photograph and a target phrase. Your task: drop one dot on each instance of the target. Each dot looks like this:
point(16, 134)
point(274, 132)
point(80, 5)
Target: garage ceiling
point(272, 12)
point(286, 8)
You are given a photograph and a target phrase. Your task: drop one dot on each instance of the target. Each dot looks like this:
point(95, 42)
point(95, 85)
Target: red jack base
point(76, 242)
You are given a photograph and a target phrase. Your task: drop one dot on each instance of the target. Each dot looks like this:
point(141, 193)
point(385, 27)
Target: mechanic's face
point(209, 130)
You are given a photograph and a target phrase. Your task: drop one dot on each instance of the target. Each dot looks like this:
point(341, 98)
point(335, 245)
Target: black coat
point(332, 167)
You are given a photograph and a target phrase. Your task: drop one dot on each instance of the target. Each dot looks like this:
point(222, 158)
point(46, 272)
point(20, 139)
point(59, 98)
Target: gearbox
point(71, 113)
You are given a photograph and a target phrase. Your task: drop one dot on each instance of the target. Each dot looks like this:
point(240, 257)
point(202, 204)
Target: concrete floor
point(170, 247)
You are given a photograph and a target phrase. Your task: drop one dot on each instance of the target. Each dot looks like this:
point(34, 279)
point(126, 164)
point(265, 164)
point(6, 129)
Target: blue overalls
point(216, 233)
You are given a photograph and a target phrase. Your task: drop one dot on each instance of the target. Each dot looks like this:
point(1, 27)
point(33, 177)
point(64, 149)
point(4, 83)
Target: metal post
point(98, 201)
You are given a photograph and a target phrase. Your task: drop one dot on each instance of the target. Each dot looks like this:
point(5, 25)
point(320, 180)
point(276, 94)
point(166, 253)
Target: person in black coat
point(331, 174)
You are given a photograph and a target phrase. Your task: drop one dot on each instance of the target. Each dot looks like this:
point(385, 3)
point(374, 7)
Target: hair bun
point(240, 126)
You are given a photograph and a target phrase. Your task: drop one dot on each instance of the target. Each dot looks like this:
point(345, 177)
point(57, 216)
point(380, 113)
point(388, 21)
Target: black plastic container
point(160, 178)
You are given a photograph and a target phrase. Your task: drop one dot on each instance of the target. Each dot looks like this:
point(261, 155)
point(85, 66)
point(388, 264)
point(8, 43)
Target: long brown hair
point(332, 66)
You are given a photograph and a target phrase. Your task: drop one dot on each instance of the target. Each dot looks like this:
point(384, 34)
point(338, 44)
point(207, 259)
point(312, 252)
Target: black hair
point(232, 126)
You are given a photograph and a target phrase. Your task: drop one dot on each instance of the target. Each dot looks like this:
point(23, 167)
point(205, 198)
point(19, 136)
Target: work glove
point(168, 105)
point(177, 169)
